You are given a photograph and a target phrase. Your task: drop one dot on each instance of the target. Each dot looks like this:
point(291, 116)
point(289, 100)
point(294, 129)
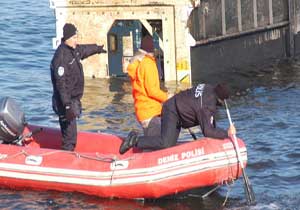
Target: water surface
point(265, 110)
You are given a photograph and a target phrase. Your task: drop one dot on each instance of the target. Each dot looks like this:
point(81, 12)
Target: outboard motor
point(12, 120)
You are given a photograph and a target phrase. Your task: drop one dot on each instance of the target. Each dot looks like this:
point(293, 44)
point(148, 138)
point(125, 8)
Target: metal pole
point(199, 16)
point(291, 34)
point(223, 17)
point(239, 11)
point(255, 13)
point(271, 20)
point(250, 197)
point(204, 23)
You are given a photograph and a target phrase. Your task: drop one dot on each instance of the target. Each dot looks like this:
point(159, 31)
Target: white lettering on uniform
point(212, 120)
point(72, 61)
point(199, 90)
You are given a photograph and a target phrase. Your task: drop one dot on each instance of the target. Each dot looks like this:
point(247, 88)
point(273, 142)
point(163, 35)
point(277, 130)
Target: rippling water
point(265, 110)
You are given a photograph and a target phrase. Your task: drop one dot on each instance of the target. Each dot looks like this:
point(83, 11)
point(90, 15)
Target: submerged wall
point(237, 36)
point(225, 60)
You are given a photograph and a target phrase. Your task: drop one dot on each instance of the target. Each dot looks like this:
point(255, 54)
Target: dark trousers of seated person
point(170, 129)
point(69, 133)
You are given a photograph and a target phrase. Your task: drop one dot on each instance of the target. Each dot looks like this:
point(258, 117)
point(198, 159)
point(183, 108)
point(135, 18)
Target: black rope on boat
point(98, 158)
point(113, 172)
point(78, 155)
point(3, 157)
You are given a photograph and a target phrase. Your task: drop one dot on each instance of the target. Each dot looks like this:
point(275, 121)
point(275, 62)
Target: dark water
point(265, 110)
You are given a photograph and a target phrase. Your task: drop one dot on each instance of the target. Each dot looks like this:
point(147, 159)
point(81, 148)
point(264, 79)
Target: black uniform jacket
point(198, 106)
point(67, 73)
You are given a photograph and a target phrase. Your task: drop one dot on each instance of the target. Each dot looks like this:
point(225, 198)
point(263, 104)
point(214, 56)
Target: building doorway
point(124, 39)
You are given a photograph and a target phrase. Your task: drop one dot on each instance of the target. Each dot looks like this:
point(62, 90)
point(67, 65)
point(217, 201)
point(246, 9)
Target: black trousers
point(69, 133)
point(154, 127)
point(170, 129)
point(68, 128)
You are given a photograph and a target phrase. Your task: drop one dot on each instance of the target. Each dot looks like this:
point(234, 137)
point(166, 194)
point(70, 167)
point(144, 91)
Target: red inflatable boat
point(97, 168)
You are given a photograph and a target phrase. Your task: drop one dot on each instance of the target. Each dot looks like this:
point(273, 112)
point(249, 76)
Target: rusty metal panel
point(297, 26)
point(206, 20)
point(297, 15)
point(231, 16)
point(280, 10)
point(298, 7)
point(247, 14)
point(211, 63)
point(195, 25)
point(263, 13)
point(211, 9)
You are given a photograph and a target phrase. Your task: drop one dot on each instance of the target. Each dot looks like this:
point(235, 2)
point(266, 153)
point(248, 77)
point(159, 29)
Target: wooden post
point(291, 30)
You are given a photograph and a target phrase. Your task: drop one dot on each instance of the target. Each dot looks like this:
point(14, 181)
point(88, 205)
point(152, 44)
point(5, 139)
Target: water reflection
point(265, 112)
point(58, 200)
point(55, 200)
point(108, 106)
point(265, 108)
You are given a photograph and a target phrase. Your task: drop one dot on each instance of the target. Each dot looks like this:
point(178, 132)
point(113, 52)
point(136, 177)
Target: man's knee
point(167, 143)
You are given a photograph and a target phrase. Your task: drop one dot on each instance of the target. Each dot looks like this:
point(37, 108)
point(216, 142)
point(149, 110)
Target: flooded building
point(194, 40)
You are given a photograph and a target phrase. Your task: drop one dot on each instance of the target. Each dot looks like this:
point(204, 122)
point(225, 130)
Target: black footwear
point(129, 142)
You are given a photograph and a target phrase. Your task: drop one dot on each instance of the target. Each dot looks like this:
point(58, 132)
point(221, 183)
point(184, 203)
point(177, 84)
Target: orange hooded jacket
point(148, 97)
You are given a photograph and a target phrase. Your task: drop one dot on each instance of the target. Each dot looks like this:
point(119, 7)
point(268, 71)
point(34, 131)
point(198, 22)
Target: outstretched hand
point(101, 49)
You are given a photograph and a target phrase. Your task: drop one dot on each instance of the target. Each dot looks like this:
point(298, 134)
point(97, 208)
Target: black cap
point(69, 30)
point(222, 91)
point(147, 44)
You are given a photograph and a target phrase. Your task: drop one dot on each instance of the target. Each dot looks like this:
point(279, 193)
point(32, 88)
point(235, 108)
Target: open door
point(124, 39)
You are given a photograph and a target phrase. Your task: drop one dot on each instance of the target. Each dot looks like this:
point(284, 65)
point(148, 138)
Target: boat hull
point(96, 167)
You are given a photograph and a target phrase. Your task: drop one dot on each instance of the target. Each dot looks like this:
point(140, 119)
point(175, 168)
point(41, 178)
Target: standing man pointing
point(68, 82)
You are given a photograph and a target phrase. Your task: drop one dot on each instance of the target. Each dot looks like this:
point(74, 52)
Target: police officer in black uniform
point(68, 82)
point(189, 108)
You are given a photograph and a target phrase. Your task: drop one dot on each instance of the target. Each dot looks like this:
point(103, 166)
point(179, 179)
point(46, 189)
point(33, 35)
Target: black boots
point(129, 142)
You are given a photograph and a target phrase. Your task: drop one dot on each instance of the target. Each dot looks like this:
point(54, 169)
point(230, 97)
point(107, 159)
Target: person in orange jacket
point(148, 97)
